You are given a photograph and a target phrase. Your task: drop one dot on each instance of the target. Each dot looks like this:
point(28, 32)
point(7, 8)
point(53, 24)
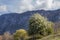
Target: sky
point(19, 6)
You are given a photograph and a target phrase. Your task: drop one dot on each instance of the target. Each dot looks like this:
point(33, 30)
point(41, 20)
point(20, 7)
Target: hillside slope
point(14, 21)
point(52, 37)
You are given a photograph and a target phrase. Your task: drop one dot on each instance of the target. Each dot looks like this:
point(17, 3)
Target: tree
point(20, 34)
point(39, 25)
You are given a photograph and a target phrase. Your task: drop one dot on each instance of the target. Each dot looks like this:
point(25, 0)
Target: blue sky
point(20, 6)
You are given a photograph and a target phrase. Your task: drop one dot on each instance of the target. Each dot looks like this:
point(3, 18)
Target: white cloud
point(38, 2)
point(3, 8)
point(26, 5)
point(49, 4)
point(29, 5)
point(56, 5)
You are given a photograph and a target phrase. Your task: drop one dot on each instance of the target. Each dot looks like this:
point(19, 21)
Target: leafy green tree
point(20, 34)
point(40, 25)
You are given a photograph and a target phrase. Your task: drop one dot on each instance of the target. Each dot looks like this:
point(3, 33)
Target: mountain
point(14, 21)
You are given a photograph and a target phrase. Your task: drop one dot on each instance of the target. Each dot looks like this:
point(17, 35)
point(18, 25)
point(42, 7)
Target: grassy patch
point(52, 37)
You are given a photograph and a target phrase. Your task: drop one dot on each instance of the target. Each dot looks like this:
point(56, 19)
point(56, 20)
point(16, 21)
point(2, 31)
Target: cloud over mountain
point(3, 8)
point(29, 5)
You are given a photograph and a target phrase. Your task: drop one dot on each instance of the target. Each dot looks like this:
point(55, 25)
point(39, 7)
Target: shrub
point(40, 25)
point(7, 36)
point(20, 34)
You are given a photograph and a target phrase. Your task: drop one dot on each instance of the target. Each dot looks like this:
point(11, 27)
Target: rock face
point(14, 21)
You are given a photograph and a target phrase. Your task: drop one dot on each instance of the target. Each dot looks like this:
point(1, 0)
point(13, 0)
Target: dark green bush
point(40, 25)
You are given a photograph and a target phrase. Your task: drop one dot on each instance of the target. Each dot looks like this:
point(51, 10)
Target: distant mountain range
point(14, 21)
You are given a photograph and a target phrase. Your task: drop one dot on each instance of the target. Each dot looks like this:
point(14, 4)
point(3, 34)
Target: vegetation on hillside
point(20, 34)
point(39, 28)
point(39, 25)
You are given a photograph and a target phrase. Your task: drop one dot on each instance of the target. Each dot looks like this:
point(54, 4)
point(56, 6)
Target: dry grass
point(52, 37)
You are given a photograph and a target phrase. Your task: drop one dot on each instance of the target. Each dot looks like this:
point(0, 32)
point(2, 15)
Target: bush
point(20, 34)
point(7, 36)
point(40, 25)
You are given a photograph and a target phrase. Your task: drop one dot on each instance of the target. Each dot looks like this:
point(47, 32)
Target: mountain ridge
point(14, 21)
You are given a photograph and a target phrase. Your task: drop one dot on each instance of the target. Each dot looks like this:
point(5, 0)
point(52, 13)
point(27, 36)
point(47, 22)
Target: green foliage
point(20, 34)
point(40, 25)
